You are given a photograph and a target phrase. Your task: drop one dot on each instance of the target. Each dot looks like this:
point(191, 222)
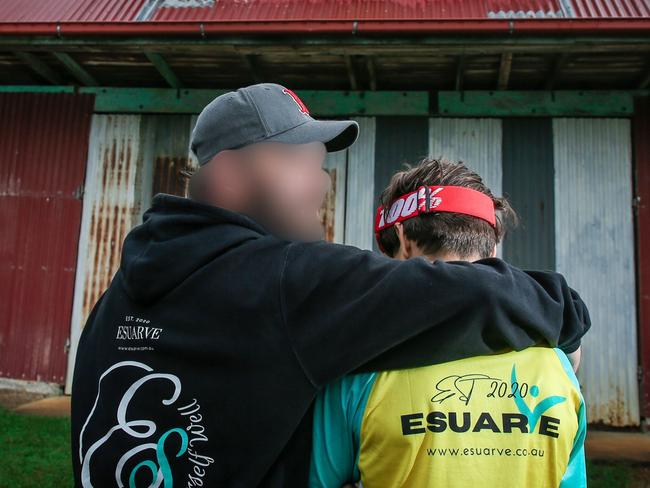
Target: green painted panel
point(365, 103)
point(37, 89)
point(535, 103)
point(324, 103)
point(370, 103)
point(169, 100)
point(152, 100)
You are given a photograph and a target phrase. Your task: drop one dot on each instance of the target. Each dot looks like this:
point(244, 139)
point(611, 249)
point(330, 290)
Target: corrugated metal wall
point(42, 165)
point(641, 138)
point(477, 142)
point(399, 141)
point(333, 215)
point(595, 250)
point(109, 212)
point(360, 203)
point(528, 182)
point(130, 158)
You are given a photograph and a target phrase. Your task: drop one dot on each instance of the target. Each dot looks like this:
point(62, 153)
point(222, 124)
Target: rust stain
point(111, 216)
point(169, 175)
point(329, 207)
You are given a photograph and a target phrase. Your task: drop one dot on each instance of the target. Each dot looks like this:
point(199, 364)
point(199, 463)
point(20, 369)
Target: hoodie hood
point(177, 237)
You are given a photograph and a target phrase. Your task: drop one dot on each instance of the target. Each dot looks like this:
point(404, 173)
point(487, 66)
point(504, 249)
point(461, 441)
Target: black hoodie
point(198, 366)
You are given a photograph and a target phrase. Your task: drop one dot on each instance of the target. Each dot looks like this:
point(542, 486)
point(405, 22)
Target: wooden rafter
point(39, 66)
point(76, 69)
point(505, 66)
point(163, 68)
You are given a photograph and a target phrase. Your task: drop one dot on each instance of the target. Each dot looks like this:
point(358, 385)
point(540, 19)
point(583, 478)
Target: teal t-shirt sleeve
point(575, 475)
point(338, 414)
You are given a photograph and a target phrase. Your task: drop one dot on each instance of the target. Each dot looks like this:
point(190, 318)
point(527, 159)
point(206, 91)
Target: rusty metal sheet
point(594, 243)
point(130, 158)
point(328, 209)
point(42, 163)
point(334, 205)
point(109, 208)
point(171, 159)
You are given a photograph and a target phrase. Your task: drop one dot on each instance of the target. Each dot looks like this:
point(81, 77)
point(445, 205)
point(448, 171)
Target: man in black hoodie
point(200, 363)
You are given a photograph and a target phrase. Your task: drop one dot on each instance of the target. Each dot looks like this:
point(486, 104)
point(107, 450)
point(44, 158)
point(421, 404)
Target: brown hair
point(455, 233)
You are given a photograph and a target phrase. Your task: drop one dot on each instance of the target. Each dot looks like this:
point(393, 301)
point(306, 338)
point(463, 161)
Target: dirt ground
point(11, 398)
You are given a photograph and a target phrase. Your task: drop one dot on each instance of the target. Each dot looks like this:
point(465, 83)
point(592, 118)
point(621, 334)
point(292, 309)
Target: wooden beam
point(76, 69)
point(446, 45)
point(350, 69)
point(163, 68)
point(40, 67)
point(556, 69)
point(372, 72)
point(460, 68)
point(505, 67)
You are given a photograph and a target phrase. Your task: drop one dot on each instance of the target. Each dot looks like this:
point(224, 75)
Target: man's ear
point(405, 245)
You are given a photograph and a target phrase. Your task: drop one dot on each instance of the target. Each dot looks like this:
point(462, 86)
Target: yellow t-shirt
point(514, 419)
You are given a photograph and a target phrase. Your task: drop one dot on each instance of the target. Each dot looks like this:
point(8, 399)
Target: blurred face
point(285, 186)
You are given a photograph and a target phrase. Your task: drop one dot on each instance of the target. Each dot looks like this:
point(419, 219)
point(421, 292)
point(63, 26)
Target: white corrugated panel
point(359, 219)
point(336, 165)
point(475, 142)
point(595, 251)
point(110, 208)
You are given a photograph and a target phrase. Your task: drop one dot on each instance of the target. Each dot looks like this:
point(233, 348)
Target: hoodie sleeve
point(351, 310)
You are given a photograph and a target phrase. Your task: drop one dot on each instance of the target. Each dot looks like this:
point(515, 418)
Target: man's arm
point(575, 475)
point(345, 308)
point(575, 358)
point(338, 415)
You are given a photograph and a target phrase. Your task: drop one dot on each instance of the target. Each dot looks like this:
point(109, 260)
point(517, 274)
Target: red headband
point(426, 199)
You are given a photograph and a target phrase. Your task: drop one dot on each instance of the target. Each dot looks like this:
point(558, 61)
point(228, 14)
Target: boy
point(513, 419)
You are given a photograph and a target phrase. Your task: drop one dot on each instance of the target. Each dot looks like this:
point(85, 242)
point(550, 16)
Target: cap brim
point(335, 134)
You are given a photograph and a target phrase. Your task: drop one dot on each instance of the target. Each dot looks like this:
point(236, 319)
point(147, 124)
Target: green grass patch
point(35, 451)
point(608, 475)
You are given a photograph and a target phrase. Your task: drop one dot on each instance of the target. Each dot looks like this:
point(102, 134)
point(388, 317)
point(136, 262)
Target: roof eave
point(618, 26)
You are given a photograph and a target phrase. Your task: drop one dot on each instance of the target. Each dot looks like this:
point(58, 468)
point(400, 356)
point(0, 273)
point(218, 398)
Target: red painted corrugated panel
point(641, 129)
point(312, 10)
point(42, 165)
point(611, 8)
point(69, 10)
point(309, 10)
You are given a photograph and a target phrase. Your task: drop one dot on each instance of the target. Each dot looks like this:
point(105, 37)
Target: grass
point(35, 452)
point(609, 475)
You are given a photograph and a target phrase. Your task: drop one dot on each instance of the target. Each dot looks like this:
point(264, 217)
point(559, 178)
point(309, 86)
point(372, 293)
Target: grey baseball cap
point(264, 112)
